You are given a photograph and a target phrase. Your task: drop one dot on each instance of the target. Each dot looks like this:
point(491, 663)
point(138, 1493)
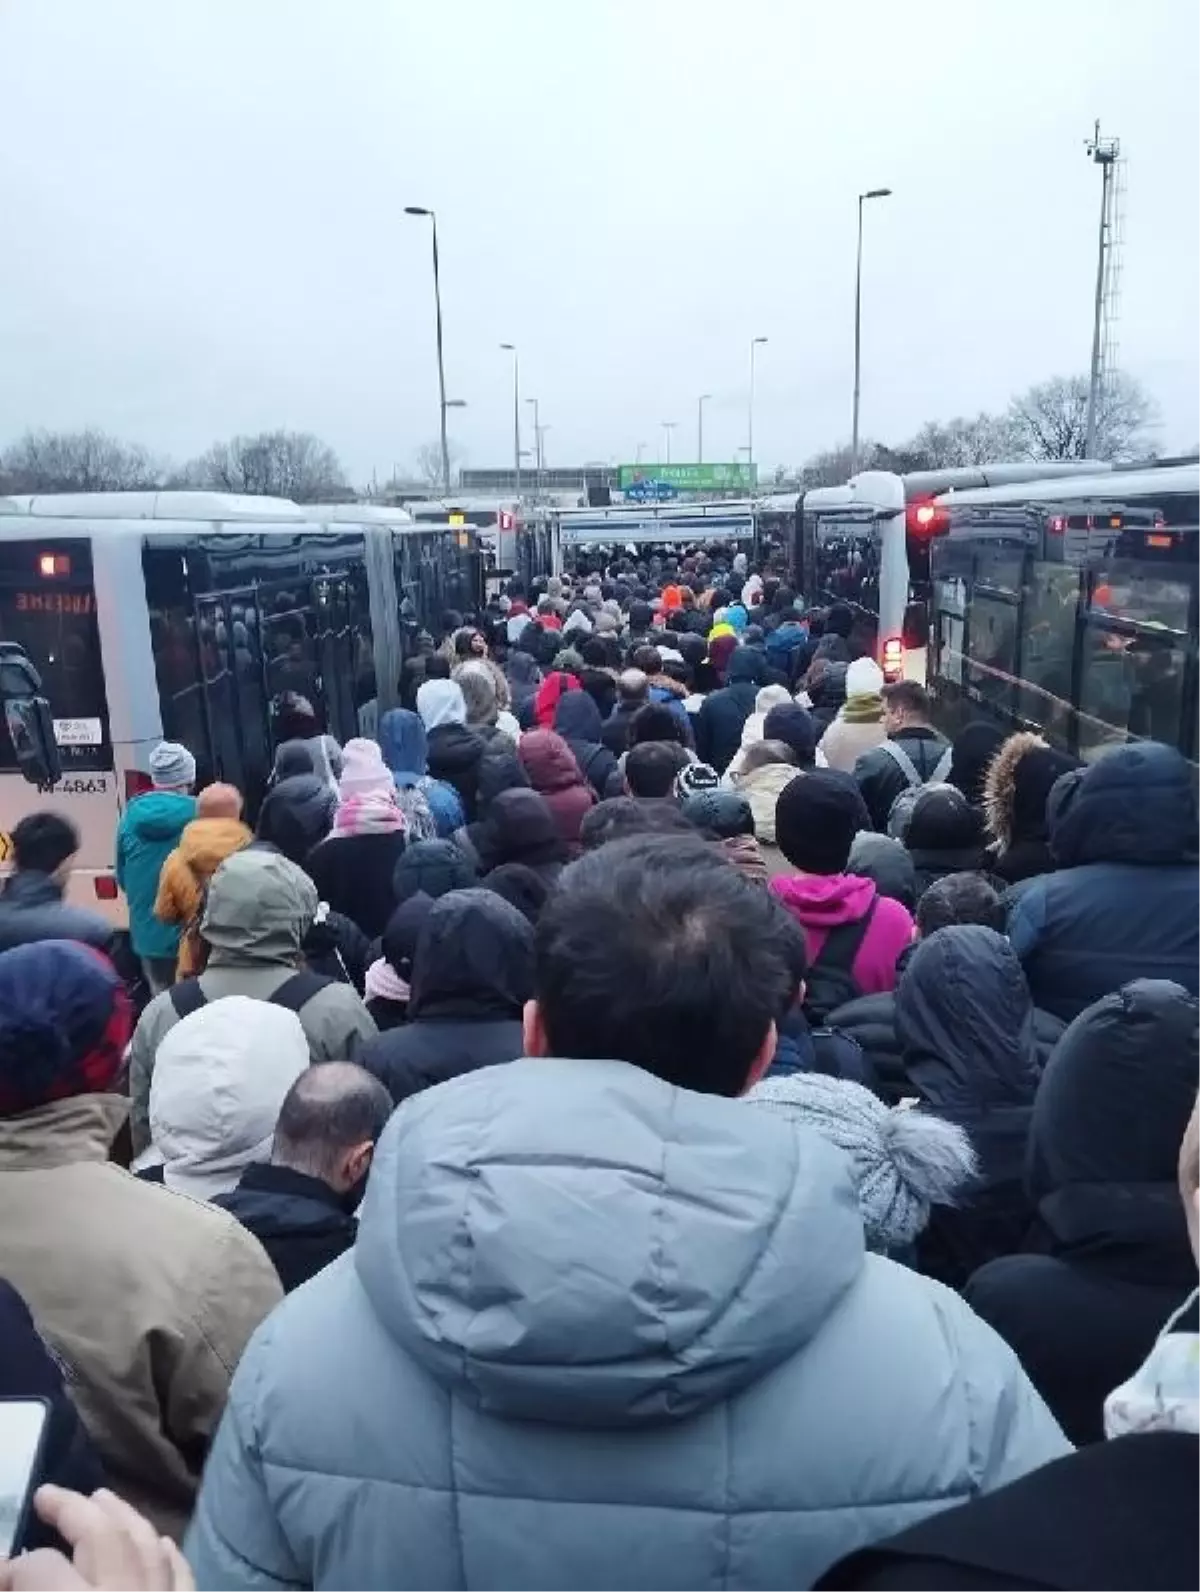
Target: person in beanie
point(905, 1162)
point(859, 726)
point(795, 727)
point(149, 831)
point(148, 1297)
point(352, 869)
point(854, 934)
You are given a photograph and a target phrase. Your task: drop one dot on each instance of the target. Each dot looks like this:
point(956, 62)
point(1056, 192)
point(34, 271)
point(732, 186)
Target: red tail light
point(1057, 525)
point(893, 658)
point(136, 783)
point(106, 887)
point(926, 518)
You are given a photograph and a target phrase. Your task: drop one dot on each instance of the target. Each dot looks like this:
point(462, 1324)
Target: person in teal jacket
point(149, 831)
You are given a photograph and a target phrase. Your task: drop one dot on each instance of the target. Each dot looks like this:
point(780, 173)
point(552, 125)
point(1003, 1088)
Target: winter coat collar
point(62, 1133)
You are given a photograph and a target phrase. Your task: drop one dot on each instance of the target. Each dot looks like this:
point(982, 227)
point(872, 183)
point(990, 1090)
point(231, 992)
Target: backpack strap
point(298, 990)
point(187, 997)
point(941, 772)
point(903, 762)
point(843, 943)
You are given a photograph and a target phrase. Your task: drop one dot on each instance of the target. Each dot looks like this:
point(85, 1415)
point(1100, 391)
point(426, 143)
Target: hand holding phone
point(114, 1550)
point(23, 1426)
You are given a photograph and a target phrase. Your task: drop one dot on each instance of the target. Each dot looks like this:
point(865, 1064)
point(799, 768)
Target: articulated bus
point(1070, 606)
point(206, 618)
point(867, 543)
point(511, 541)
point(651, 527)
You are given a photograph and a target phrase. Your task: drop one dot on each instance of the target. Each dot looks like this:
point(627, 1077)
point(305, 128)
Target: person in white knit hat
point(859, 725)
point(904, 1161)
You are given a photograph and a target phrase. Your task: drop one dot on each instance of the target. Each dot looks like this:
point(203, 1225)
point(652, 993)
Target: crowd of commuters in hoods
point(660, 1115)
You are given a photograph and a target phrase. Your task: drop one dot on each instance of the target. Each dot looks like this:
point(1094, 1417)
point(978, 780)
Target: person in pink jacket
point(853, 934)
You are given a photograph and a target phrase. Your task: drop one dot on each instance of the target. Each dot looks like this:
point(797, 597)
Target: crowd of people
point(661, 1114)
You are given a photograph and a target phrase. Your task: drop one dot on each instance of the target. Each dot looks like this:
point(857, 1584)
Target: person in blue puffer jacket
point(405, 748)
point(602, 1326)
point(148, 833)
point(1124, 901)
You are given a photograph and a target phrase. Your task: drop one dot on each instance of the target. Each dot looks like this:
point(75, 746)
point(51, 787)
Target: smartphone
point(24, 1424)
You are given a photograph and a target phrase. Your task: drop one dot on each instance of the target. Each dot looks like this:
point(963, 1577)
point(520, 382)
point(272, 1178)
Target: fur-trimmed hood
point(1016, 788)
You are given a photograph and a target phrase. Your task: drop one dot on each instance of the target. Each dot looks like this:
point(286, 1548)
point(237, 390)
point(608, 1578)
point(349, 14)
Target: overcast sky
point(201, 226)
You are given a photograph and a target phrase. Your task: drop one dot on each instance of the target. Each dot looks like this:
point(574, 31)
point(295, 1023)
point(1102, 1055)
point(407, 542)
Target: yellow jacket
point(203, 847)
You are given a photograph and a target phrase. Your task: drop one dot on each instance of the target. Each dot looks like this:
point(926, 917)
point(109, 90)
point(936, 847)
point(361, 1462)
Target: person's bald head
point(219, 801)
point(329, 1122)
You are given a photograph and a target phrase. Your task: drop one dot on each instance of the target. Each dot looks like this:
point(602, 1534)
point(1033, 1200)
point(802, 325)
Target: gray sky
point(202, 228)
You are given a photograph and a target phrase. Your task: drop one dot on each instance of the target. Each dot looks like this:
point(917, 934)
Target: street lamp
point(700, 403)
point(668, 426)
point(754, 343)
point(537, 440)
point(641, 448)
point(420, 210)
point(872, 193)
point(511, 348)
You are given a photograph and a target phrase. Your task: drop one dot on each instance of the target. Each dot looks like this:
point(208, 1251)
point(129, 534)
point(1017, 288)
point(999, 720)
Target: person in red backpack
point(853, 934)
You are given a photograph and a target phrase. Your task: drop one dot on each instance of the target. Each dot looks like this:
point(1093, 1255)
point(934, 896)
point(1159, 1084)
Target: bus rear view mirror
point(28, 718)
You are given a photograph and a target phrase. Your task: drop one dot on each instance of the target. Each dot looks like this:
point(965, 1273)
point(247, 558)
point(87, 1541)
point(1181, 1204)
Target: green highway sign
point(691, 477)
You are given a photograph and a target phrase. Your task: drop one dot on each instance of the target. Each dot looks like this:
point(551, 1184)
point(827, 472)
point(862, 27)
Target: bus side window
point(1048, 646)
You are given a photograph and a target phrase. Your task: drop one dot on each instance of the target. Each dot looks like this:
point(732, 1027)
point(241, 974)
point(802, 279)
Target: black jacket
point(614, 732)
point(1118, 1515)
point(870, 1020)
point(1125, 900)
point(1107, 1260)
point(965, 1024)
point(723, 714)
point(577, 719)
point(453, 754)
point(353, 873)
point(880, 777)
point(32, 908)
point(29, 1371)
point(299, 1220)
point(472, 974)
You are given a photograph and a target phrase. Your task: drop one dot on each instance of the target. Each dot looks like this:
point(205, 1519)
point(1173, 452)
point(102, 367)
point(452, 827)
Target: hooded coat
point(1124, 902)
point(32, 908)
point(260, 908)
point(1108, 1259)
point(768, 697)
point(575, 1350)
point(520, 827)
point(472, 974)
point(820, 903)
point(301, 1222)
point(1016, 791)
point(761, 788)
point(203, 847)
point(149, 831)
point(554, 773)
point(577, 719)
point(944, 835)
point(405, 748)
point(723, 714)
point(965, 1024)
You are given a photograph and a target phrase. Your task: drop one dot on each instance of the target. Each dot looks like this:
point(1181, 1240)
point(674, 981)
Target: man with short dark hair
point(601, 1326)
point(300, 1205)
point(31, 898)
point(959, 898)
point(651, 767)
point(620, 817)
point(913, 754)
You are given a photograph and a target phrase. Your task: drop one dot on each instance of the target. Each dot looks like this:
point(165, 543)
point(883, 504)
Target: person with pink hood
point(853, 934)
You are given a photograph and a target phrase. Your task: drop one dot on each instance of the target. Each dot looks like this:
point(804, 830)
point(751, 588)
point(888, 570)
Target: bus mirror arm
point(28, 718)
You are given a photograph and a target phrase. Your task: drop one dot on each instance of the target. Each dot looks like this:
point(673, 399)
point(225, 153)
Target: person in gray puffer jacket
point(602, 1326)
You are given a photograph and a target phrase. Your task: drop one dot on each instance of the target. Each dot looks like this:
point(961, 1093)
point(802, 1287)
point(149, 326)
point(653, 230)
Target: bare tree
point(1050, 420)
point(963, 441)
point(427, 464)
point(77, 461)
point(288, 464)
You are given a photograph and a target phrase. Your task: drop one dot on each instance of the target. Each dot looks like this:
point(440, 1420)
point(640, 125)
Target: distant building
point(573, 478)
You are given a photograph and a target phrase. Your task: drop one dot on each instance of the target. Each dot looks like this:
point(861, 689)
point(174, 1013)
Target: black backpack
point(187, 996)
point(829, 982)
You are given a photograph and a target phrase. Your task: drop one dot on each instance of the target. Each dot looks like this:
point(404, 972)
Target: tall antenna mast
point(1105, 153)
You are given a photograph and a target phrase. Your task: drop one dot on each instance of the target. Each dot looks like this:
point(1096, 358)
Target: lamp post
point(420, 210)
point(668, 426)
point(700, 403)
point(641, 448)
point(754, 343)
point(537, 442)
point(872, 193)
point(511, 348)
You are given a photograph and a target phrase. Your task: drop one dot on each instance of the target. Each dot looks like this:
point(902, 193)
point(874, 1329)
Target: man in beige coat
point(260, 906)
point(148, 1297)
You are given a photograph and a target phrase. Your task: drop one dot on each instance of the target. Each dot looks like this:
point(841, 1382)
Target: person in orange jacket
point(216, 832)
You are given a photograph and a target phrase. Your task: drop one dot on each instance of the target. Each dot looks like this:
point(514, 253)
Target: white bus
point(1069, 606)
point(208, 619)
point(866, 544)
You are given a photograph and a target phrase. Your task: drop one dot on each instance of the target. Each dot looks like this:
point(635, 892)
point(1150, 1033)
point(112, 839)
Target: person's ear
point(533, 1030)
point(763, 1060)
point(357, 1163)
